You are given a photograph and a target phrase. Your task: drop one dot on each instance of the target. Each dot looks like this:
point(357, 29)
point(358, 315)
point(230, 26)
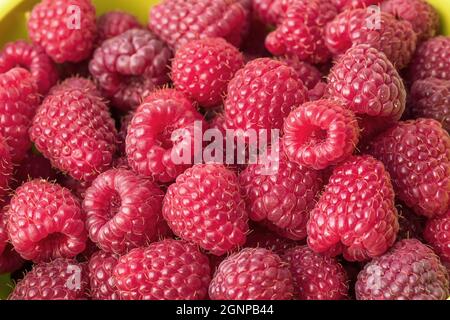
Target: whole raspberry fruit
point(65, 29)
point(122, 210)
point(45, 221)
point(320, 133)
point(19, 100)
point(101, 268)
point(179, 21)
point(316, 277)
point(409, 271)
point(262, 94)
point(417, 156)
point(308, 73)
point(437, 234)
point(59, 279)
point(263, 238)
point(204, 206)
point(343, 5)
point(356, 213)
point(165, 270)
point(75, 131)
point(252, 274)
point(6, 169)
point(114, 23)
point(202, 69)
point(83, 84)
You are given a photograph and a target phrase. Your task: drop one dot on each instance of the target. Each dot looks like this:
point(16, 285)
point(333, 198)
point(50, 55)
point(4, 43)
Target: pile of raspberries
point(358, 208)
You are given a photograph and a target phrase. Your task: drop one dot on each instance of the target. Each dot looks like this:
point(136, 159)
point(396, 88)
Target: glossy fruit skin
point(437, 234)
point(165, 270)
point(101, 267)
point(409, 271)
point(113, 24)
point(84, 84)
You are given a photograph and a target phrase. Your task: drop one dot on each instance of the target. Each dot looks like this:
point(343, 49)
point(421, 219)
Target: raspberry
point(343, 5)
point(130, 66)
point(166, 270)
point(65, 33)
point(411, 225)
point(75, 131)
point(114, 23)
point(46, 222)
point(300, 32)
point(316, 277)
point(18, 102)
point(318, 92)
point(6, 168)
point(268, 11)
point(202, 69)
point(204, 206)
point(437, 234)
point(356, 213)
point(101, 267)
point(320, 133)
point(394, 38)
point(34, 59)
point(59, 279)
point(149, 145)
point(83, 84)
point(263, 238)
point(34, 166)
point(308, 73)
point(252, 274)
point(409, 271)
point(179, 21)
point(262, 94)
point(122, 210)
point(417, 156)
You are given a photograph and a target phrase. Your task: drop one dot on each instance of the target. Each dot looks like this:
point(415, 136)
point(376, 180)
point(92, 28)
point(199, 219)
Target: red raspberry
point(83, 84)
point(268, 11)
point(300, 32)
point(417, 156)
point(394, 38)
point(320, 133)
point(166, 270)
point(34, 59)
point(411, 225)
point(179, 21)
point(101, 267)
point(263, 238)
point(149, 145)
point(59, 279)
point(204, 206)
point(130, 66)
point(316, 277)
point(6, 169)
point(308, 73)
point(65, 29)
point(262, 94)
point(202, 69)
point(437, 234)
point(356, 214)
point(114, 23)
point(75, 131)
point(252, 274)
point(343, 5)
point(46, 222)
point(18, 102)
point(409, 271)
point(34, 166)
point(318, 92)
point(122, 210)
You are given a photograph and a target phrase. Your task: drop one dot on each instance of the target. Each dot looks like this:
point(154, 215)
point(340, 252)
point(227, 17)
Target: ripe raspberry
point(83, 84)
point(411, 225)
point(130, 66)
point(300, 32)
point(113, 24)
point(55, 280)
point(268, 11)
point(316, 277)
point(149, 146)
point(34, 166)
point(262, 238)
point(437, 234)
point(6, 169)
point(202, 69)
point(18, 102)
point(417, 156)
point(75, 131)
point(205, 207)
point(262, 94)
point(177, 22)
point(356, 214)
point(252, 274)
point(34, 59)
point(343, 5)
point(101, 267)
point(409, 271)
point(166, 270)
point(308, 73)
point(320, 133)
point(65, 33)
point(122, 210)
point(46, 222)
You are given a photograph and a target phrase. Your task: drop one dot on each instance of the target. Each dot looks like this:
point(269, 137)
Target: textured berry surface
point(316, 277)
point(6, 169)
point(417, 156)
point(409, 271)
point(202, 69)
point(356, 214)
point(114, 23)
point(83, 84)
point(10, 260)
point(130, 66)
point(268, 11)
point(101, 267)
point(320, 133)
point(342, 5)
point(122, 210)
point(252, 274)
point(204, 206)
point(66, 34)
point(308, 73)
point(437, 234)
point(166, 270)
